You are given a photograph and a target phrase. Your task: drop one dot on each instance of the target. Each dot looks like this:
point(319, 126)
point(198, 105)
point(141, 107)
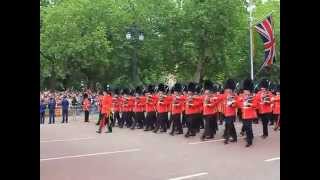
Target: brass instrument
point(161, 98)
point(175, 100)
point(190, 100)
point(248, 101)
point(126, 98)
point(230, 100)
point(207, 100)
point(266, 98)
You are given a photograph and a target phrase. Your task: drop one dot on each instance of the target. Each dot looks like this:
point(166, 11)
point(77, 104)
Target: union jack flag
point(265, 29)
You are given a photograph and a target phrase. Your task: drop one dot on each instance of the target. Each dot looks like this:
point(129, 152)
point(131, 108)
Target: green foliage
point(84, 40)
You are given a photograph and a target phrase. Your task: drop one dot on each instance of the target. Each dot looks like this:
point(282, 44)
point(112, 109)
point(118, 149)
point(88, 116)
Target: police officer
point(52, 108)
point(43, 107)
point(65, 108)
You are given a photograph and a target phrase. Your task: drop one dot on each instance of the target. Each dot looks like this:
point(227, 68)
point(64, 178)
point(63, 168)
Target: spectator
point(43, 107)
point(65, 107)
point(52, 108)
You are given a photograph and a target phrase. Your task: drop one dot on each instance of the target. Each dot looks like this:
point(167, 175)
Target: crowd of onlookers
point(64, 100)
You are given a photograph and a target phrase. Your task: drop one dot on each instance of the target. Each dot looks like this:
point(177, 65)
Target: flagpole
point(251, 38)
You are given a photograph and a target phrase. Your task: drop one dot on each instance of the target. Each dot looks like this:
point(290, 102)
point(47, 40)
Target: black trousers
point(265, 118)
point(86, 116)
point(210, 124)
point(116, 117)
point(191, 124)
point(176, 123)
point(138, 120)
point(197, 121)
point(201, 121)
point(100, 117)
point(42, 117)
point(247, 124)
point(51, 116)
point(184, 119)
point(151, 120)
point(65, 115)
point(124, 119)
point(162, 121)
point(230, 129)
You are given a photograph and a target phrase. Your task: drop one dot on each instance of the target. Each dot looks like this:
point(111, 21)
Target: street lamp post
point(135, 35)
point(250, 8)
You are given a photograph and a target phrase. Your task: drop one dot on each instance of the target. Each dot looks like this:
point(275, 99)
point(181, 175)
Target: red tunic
point(163, 106)
point(276, 104)
point(211, 107)
point(86, 105)
point(177, 104)
point(264, 107)
point(106, 104)
point(194, 106)
point(248, 112)
point(139, 104)
point(229, 109)
point(151, 103)
point(127, 103)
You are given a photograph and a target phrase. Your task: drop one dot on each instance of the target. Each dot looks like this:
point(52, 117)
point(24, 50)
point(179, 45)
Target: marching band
point(158, 107)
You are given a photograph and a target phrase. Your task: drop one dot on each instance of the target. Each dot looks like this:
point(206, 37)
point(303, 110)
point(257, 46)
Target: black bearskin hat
point(264, 83)
point(198, 88)
point(151, 88)
point(161, 87)
point(208, 85)
point(85, 95)
point(116, 91)
point(192, 87)
point(177, 87)
point(126, 91)
point(248, 85)
point(215, 87)
point(230, 84)
point(138, 90)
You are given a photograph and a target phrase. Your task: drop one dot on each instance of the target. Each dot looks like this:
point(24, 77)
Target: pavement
point(74, 151)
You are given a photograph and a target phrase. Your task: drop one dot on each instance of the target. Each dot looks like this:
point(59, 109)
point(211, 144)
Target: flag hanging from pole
point(265, 29)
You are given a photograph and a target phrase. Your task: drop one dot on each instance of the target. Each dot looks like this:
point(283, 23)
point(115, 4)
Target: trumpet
point(190, 100)
point(230, 100)
point(248, 101)
point(266, 98)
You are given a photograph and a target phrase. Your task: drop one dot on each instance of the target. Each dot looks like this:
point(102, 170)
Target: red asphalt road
point(152, 156)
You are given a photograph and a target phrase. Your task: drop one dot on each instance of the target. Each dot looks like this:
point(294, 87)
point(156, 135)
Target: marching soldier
point(162, 109)
point(86, 107)
point(139, 105)
point(151, 101)
point(116, 106)
point(229, 111)
point(176, 109)
point(184, 96)
point(276, 107)
point(248, 104)
point(100, 97)
point(192, 109)
point(265, 110)
point(199, 122)
point(106, 110)
point(210, 110)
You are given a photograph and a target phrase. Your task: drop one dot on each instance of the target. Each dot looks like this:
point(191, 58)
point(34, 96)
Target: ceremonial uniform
point(265, 110)
point(52, 109)
point(176, 109)
point(229, 99)
point(276, 107)
point(248, 105)
point(139, 108)
point(100, 97)
point(106, 110)
point(86, 107)
point(151, 101)
point(192, 109)
point(162, 109)
point(116, 107)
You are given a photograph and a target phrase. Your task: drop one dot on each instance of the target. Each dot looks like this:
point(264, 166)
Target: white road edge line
point(200, 142)
point(62, 140)
point(86, 155)
point(272, 159)
point(189, 176)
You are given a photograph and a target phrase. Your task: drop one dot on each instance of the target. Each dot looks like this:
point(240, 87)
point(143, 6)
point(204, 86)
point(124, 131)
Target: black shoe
point(155, 131)
point(187, 135)
point(226, 141)
point(98, 132)
point(210, 137)
point(192, 134)
point(202, 138)
point(146, 130)
point(171, 134)
point(163, 131)
point(179, 132)
point(249, 144)
point(233, 140)
point(242, 133)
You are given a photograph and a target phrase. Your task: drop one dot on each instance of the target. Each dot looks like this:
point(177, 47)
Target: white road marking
point(200, 142)
point(62, 140)
point(272, 159)
point(189, 176)
point(86, 155)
